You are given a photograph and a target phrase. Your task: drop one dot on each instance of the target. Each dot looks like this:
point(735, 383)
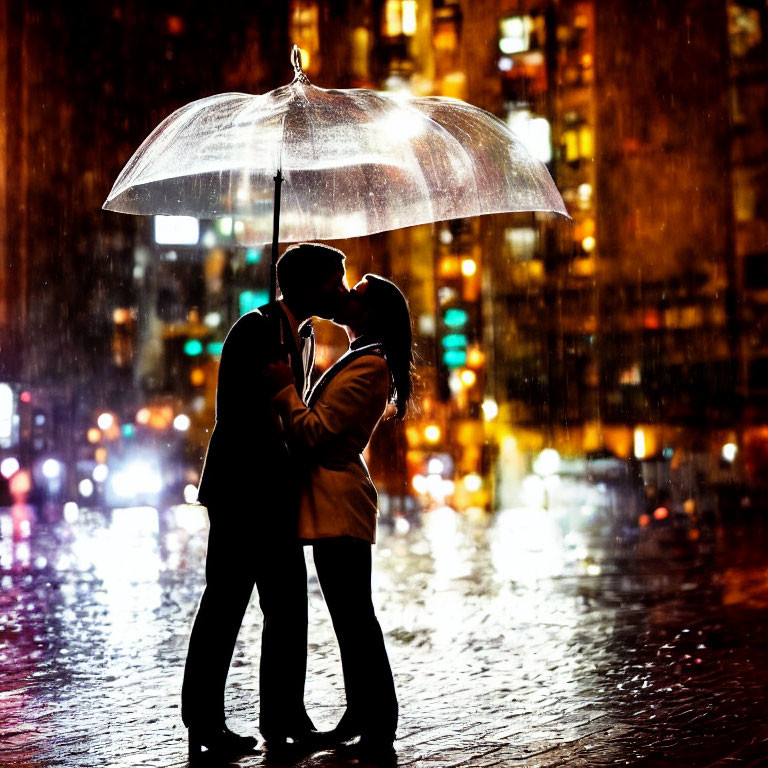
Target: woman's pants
point(344, 570)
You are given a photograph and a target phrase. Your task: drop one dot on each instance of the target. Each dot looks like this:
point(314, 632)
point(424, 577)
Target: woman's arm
point(355, 391)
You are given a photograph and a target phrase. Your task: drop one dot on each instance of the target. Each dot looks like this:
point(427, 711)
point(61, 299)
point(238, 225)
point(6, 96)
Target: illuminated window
point(400, 18)
point(586, 144)
point(515, 34)
point(744, 29)
point(409, 17)
point(521, 242)
point(533, 131)
point(305, 32)
point(578, 143)
point(571, 146)
point(445, 38)
point(360, 46)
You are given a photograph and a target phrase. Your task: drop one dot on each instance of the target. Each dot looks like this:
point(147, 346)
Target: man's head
point(312, 279)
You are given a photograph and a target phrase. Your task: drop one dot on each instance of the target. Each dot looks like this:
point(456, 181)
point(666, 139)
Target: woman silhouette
point(338, 499)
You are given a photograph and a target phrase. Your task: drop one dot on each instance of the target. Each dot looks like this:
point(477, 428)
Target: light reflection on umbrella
point(354, 162)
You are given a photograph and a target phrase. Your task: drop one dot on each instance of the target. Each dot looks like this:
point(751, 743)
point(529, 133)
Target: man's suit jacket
point(338, 497)
point(247, 462)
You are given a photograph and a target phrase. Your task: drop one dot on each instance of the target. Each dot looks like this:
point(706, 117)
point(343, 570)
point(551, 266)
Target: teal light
point(250, 300)
point(454, 340)
point(455, 318)
point(127, 430)
point(455, 358)
point(252, 256)
point(193, 347)
point(214, 347)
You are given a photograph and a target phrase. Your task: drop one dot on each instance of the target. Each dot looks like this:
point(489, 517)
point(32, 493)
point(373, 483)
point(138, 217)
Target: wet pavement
point(534, 637)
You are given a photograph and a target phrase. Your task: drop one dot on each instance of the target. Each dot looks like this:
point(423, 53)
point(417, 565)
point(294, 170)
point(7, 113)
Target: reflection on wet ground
point(535, 637)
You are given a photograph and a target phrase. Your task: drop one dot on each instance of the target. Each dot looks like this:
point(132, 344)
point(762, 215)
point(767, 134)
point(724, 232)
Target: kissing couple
point(284, 469)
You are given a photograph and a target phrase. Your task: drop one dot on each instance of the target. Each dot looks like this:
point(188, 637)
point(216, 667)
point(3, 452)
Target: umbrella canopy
point(354, 162)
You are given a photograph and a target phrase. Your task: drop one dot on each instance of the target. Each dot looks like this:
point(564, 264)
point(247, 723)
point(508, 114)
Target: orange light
point(468, 267)
point(175, 25)
point(121, 315)
point(432, 433)
point(143, 416)
point(661, 513)
point(100, 454)
point(197, 377)
point(20, 483)
point(643, 520)
point(651, 320)
point(161, 416)
point(475, 357)
point(449, 266)
point(94, 435)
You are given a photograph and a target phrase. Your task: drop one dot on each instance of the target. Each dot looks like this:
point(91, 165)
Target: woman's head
point(377, 309)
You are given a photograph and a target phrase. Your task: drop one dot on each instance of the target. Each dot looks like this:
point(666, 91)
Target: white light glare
point(71, 511)
point(85, 488)
point(729, 452)
point(639, 443)
point(402, 526)
point(181, 422)
point(137, 478)
point(405, 124)
point(435, 467)
point(105, 421)
point(176, 230)
point(51, 469)
point(9, 466)
point(490, 409)
point(190, 493)
point(100, 472)
point(547, 462)
point(473, 482)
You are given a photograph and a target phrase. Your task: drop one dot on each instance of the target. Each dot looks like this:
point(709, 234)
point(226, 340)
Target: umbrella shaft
point(275, 236)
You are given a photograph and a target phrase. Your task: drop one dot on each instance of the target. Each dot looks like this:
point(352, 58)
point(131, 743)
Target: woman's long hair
point(390, 324)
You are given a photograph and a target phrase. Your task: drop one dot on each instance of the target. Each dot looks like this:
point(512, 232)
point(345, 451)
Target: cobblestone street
point(516, 640)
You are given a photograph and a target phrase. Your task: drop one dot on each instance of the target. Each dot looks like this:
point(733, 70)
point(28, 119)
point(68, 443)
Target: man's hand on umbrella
point(279, 375)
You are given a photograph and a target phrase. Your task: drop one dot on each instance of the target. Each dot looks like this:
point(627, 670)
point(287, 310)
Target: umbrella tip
point(297, 68)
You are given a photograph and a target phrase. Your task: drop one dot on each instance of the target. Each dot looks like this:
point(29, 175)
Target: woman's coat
point(338, 497)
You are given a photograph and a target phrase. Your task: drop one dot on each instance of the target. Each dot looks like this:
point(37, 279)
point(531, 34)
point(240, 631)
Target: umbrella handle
point(275, 236)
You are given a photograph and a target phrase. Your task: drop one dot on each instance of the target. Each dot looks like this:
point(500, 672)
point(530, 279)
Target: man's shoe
point(219, 741)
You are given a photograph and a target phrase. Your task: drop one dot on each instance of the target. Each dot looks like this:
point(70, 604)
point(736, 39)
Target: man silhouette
point(250, 491)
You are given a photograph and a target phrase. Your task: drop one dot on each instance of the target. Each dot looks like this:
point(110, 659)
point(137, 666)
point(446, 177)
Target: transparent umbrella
point(354, 162)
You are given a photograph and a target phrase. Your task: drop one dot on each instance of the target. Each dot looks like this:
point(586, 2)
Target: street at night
point(533, 637)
